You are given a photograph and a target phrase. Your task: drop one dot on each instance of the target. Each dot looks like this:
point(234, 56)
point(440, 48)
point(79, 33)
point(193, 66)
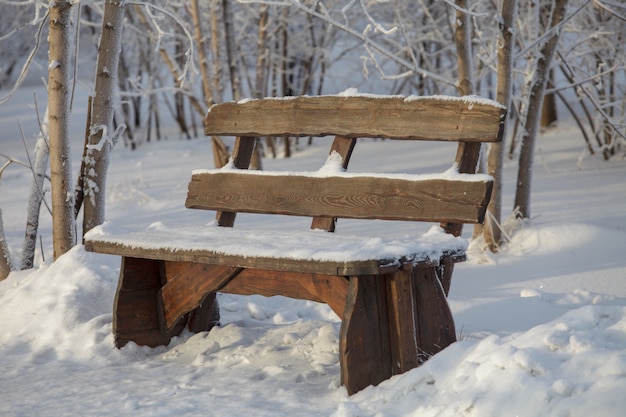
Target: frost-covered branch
point(375, 24)
point(603, 5)
point(552, 31)
point(463, 10)
point(578, 83)
point(10, 160)
point(29, 59)
point(189, 53)
point(605, 117)
point(319, 11)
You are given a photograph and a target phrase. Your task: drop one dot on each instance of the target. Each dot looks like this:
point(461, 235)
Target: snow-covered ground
point(542, 325)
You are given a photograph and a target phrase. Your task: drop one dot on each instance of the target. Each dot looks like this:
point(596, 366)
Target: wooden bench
point(390, 292)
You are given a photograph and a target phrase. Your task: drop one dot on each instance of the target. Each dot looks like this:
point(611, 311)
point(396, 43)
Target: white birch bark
point(59, 88)
point(102, 138)
point(42, 156)
point(495, 155)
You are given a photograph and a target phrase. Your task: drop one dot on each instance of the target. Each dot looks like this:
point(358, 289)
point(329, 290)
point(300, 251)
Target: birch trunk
point(59, 88)
point(204, 63)
point(465, 86)
point(231, 49)
point(463, 38)
point(34, 202)
point(260, 85)
point(218, 92)
point(5, 255)
point(533, 116)
point(102, 139)
point(495, 156)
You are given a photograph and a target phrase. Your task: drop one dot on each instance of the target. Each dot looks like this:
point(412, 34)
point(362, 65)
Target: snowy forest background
point(162, 64)
point(540, 307)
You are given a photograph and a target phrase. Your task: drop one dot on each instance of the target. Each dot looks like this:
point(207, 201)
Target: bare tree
point(533, 115)
point(495, 155)
point(102, 135)
point(39, 167)
point(60, 73)
point(5, 255)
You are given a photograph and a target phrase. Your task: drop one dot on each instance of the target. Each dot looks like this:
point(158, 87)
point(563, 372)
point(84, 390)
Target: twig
point(29, 59)
point(604, 7)
point(605, 117)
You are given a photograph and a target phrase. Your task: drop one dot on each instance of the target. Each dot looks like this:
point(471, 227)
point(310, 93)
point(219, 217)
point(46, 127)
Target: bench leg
point(435, 321)
point(392, 324)
point(444, 272)
point(205, 316)
point(135, 310)
point(364, 344)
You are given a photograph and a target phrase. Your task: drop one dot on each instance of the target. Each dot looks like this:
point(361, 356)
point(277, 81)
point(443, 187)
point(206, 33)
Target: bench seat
point(326, 253)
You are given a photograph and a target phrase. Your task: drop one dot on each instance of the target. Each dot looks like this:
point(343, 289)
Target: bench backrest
point(451, 199)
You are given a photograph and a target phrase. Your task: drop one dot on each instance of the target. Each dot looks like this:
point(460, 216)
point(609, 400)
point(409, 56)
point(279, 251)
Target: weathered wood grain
point(344, 147)
point(427, 118)
point(364, 343)
point(136, 309)
point(432, 312)
point(403, 326)
point(187, 285)
point(241, 157)
point(359, 197)
point(328, 289)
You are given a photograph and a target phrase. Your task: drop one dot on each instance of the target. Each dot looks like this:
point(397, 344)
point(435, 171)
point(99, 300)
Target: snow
point(333, 167)
point(470, 100)
point(301, 245)
point(542, 324)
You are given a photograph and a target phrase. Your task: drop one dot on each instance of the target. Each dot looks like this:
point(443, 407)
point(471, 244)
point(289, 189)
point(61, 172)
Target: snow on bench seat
point(328, 253)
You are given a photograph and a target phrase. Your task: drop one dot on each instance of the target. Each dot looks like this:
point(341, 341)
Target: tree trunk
point(533, 116)
point(463, 39)
point(59, 89)
point(260, 85)
point(495, 156)
point(231, 49)
point(548, 110)
point(102, 138)
point(5, 255)
point(218, 91)
point(202, 57)
point(34, 202)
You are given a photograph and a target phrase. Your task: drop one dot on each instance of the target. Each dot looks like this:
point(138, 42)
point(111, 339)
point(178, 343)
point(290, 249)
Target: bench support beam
point(387, 320)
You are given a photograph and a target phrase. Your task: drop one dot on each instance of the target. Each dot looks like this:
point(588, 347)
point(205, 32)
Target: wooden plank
point(331, 290)
point(242, 155)
point(428, 118)
point(344, 147)
point(135, 308)
point(433, 315)
point(187, 285)
point(203, 255)
point(204, 317)
point(364, 349)
point(403, 327)
point(357, 197)
point(467, 156)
